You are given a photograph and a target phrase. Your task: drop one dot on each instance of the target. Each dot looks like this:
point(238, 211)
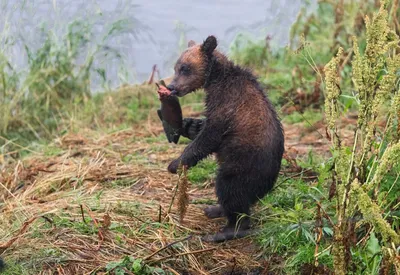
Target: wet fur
point(2, 265)
point(241, 127)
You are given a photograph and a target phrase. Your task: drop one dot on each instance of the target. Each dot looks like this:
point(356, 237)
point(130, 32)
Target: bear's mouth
point(179, 93)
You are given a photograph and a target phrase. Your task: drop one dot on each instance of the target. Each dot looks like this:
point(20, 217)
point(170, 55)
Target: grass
point(288, 224)
point(120, 172)
point(75, 212)
point(309, 117)
point(135, 265)
point(295, 80)
point(203, 172)
point(84, 177)
point(15, 268)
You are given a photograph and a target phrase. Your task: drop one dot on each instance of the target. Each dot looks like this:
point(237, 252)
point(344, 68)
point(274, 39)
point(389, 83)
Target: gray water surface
point(156, 31)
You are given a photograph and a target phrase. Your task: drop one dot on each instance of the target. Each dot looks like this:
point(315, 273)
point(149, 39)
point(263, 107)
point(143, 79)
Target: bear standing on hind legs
point(241, 127)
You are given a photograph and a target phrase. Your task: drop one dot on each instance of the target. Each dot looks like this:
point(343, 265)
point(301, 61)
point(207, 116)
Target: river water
point(156, 30)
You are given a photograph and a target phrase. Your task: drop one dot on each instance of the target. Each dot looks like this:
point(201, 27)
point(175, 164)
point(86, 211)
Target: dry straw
point(183, 197)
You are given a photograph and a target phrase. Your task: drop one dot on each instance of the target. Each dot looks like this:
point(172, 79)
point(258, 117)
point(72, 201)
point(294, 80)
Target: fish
point(170, 113)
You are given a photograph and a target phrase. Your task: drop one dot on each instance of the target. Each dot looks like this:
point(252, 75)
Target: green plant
point(203, 171)
point(288, 218)
point(245, 51)
point(308, 118)
point(360, 171)
point(10, 95)
point(14, 268)
point(37, 101)
point(129, 264)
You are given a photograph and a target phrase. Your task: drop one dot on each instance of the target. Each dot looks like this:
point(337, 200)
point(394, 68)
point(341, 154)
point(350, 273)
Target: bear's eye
point(185, 69)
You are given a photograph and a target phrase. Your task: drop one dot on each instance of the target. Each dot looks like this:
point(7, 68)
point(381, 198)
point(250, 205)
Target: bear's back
point(254, 137)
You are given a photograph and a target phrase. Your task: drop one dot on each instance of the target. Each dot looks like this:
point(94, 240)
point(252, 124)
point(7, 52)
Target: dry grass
point(104, 196)
point(97, 197)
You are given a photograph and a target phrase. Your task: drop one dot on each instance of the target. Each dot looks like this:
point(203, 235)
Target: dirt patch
point(300, 140)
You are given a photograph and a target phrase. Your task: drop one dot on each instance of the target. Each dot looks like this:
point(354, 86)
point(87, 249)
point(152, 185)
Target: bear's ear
point(191, 43)
point(209, 45)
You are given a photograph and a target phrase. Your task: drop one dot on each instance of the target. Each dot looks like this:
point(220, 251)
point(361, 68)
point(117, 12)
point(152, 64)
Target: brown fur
point(241, 127)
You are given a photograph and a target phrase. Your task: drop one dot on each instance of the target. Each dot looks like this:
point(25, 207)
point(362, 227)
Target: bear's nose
point(171, 87)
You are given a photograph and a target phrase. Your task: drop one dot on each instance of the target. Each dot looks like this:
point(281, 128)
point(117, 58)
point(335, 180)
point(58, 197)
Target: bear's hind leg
point(214, 211)
point(236, 207)
point(233, 230)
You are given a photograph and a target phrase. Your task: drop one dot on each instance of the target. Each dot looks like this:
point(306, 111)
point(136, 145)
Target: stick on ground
point(183, 197)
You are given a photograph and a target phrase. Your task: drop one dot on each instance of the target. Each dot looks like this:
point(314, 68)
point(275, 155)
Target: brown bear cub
point(241, 127)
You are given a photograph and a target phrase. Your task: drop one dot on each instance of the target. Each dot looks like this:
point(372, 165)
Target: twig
point(172, 270)
point(172, 199)
point(20, 232)
point(127, 271)
point(159, 213)
point(139, 219)
point(323, 251)
point(165, 247)
point(291, 177)
point(234, 266)
point(123, 268)
point(83, 214)
point(184, 254)
point(60, 270)
point(318, 224)
point(305, 119)
point(16, 144)
point(326, 214)
point(18, 201)
point(48, 220)
point(363, 239)
point(100, 234)
point(183, 198)
point(345, 61)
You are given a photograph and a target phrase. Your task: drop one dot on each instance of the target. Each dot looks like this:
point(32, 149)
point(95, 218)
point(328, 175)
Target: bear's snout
point(171, 87)
point(173, 90)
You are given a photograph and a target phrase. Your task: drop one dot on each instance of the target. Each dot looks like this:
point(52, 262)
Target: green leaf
point(137, 265)
point(328, 231)
point(373, 246)
point(112, 265)
point(158, 270)
point(119, 271)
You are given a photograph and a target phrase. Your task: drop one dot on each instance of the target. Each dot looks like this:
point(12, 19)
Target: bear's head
point(193, 66)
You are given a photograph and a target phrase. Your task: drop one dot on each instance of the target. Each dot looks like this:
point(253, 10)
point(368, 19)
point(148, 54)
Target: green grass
point(308, 118)
point(58, 102)
point(51, 150)
point(287, 216)
point(15, 268)
point(155, 139)
point(137, 266)
point(129, 209)
point(123, 183)
point(202, 172)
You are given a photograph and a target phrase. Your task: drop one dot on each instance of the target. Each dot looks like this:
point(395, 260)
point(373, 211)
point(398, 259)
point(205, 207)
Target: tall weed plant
point(365, 175)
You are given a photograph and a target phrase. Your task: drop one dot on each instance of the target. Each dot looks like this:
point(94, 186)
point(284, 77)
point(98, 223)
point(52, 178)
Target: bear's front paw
point(173, 166)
